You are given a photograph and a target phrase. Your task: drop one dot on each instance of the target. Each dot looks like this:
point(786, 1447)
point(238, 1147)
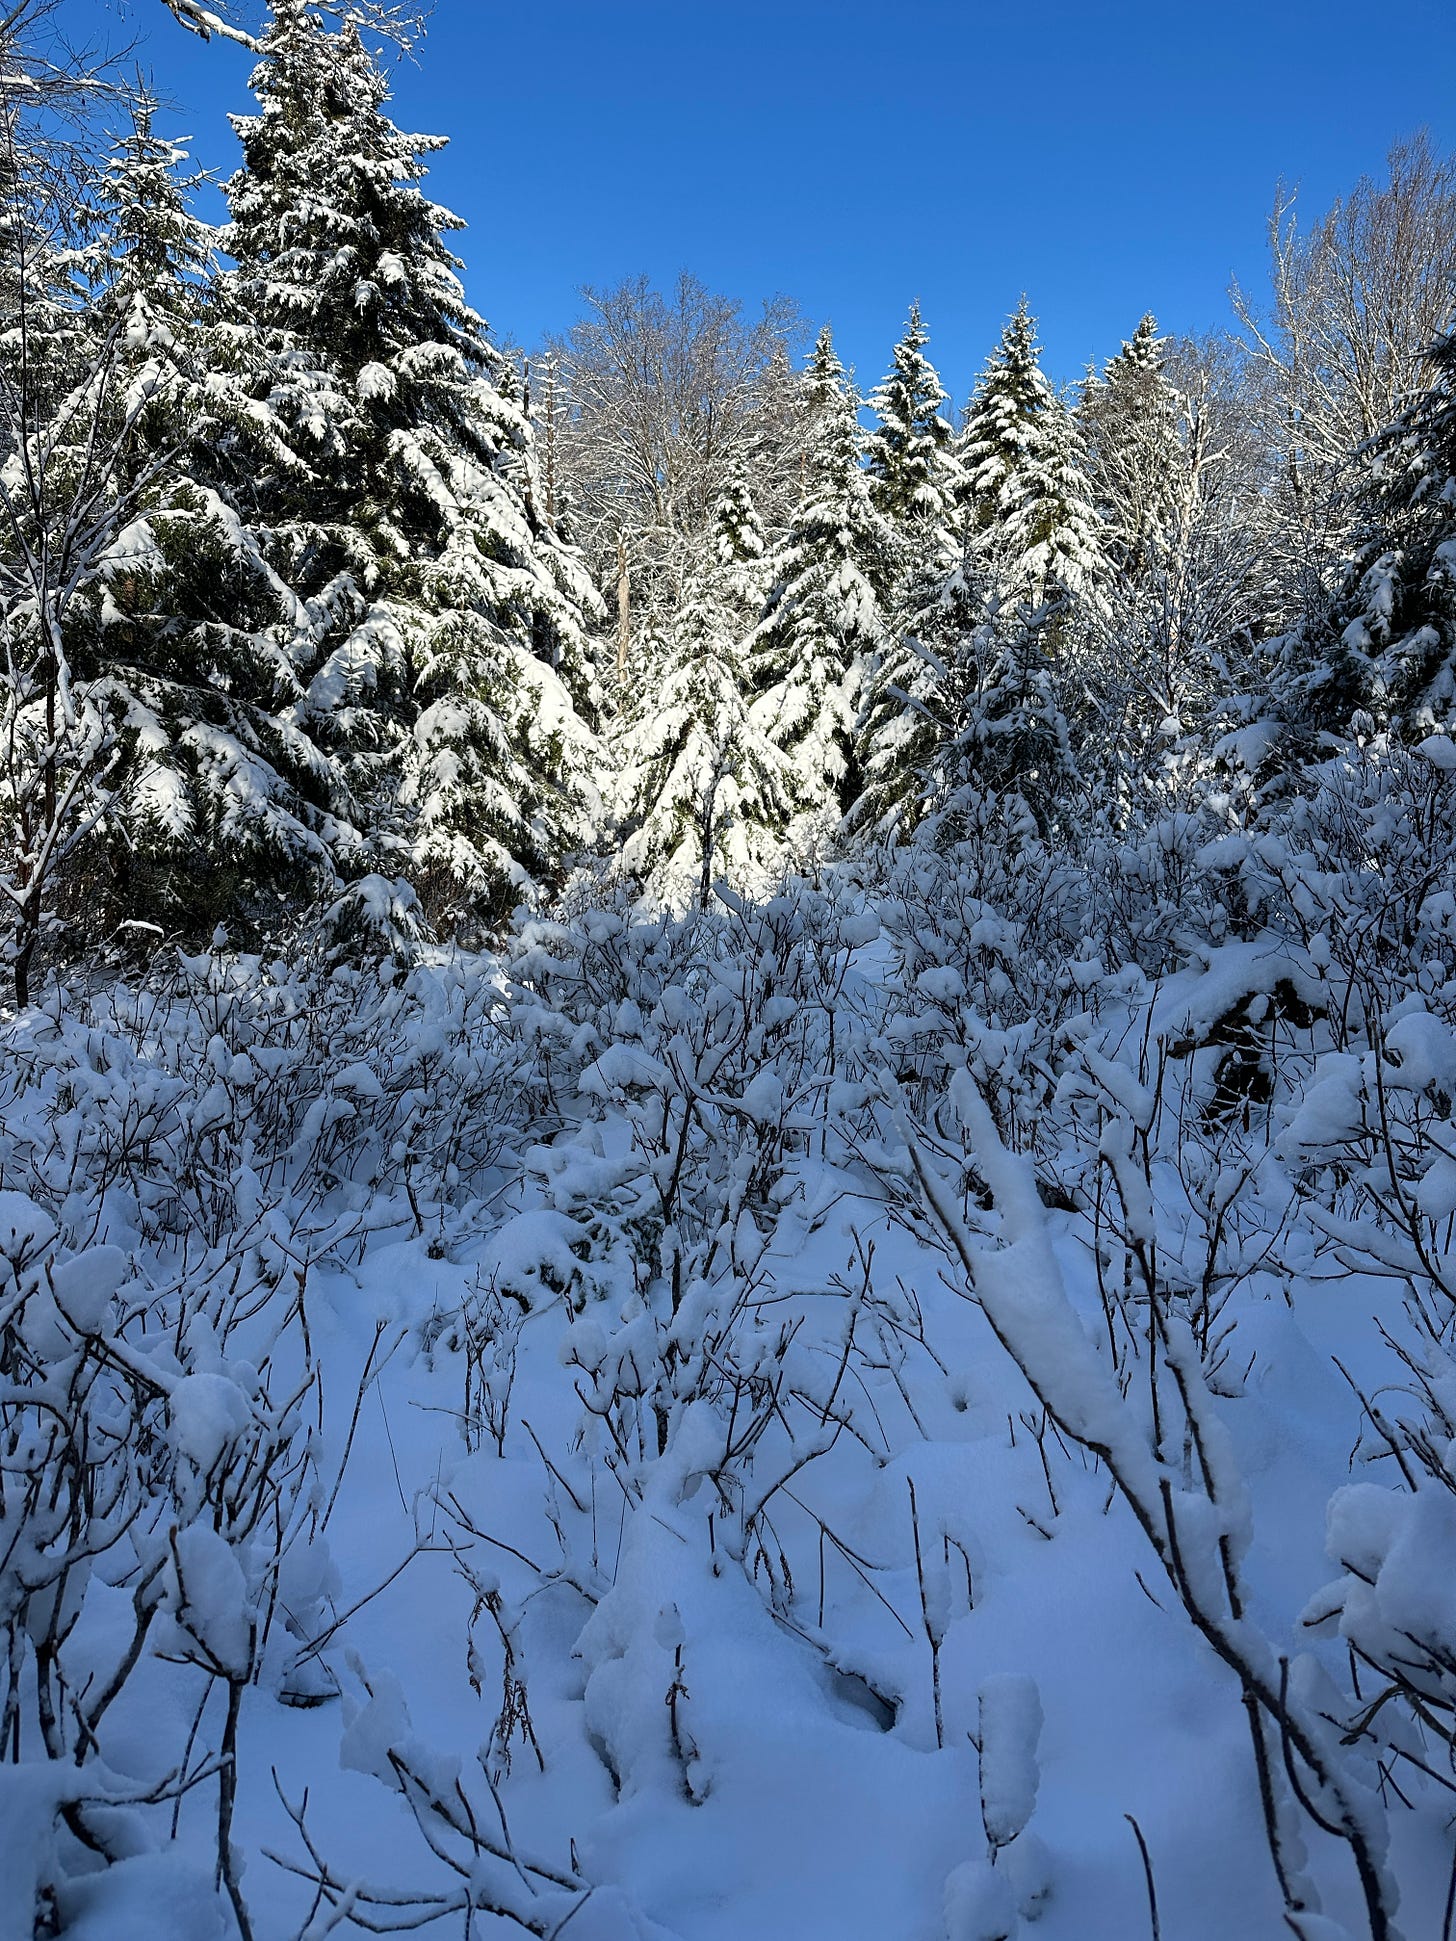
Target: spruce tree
point(1006, 762)
point(915, 479)
point(44, 335)
point(1384, 642)
point(61, 424)
point(220, 803)
point(823, 622)
point(1129, 421)
point(917, 484)
point(910, 710)
point(703, 792)
point(1027, 498)
point(140, 235)
point(447, 620)
point(739, 543)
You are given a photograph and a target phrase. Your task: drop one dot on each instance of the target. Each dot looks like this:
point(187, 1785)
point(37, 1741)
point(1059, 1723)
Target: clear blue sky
point(1107, 158)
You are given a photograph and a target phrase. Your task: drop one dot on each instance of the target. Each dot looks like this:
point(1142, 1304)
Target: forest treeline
point(316, 600)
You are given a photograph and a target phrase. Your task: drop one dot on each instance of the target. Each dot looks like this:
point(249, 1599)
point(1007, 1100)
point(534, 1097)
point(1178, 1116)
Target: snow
point(979, 1905)
point(84, 1284)
point(212, 1599)
point(596, 1426)
point(1010, 1726)
point(1439, 750)
point(206, 1411)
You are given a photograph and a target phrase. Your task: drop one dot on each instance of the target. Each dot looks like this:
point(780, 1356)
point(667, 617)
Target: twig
point(1153, 1922)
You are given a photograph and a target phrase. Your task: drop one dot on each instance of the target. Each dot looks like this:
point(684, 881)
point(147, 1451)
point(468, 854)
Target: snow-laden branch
point(1020, 1288)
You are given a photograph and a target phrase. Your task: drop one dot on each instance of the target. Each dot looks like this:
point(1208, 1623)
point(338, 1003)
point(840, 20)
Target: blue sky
point(1107, 158)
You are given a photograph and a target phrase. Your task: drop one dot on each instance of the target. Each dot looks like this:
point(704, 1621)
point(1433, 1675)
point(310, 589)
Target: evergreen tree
point(915, 478)
point(703, 791)
point(1058, 517)
point(965, 704)
point(60, 432)
point(1027, 497)
point(1129, 421)
point(141, 236)
point(447, 619)
point(1385, 642)
point(1007, 761)
point(179, 631)
point(740, 545)
point(917, 484)
point(44, 337)
point(909, 714)
point(823, 621)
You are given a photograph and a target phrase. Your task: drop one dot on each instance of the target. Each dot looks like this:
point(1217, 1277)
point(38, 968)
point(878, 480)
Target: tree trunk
point(624, 609)
point(26, 934)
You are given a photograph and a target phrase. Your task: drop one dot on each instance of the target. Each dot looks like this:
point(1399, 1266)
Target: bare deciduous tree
point(1356, 300)
point(665, 391)
point(404, 25)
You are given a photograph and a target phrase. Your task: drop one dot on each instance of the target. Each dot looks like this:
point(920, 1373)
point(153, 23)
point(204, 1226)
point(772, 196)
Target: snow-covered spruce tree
point(1129, 419)
point(740, 544)
point(59, 439)
point(824, 620)
point(915, 477)
point(223, 804)
point(152, 770)
point(1006, 762)
point(917, 484)
point(1385, 642)
point(1028, 501)
point(703, 792)
point(141, 237)
point(42, 287)
point(447, 619)
point(1167, 643)
point(913, 700)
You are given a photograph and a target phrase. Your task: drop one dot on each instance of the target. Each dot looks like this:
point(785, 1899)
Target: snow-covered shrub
point(1371, 1149)
point(1148, 1424)
point(986, 943)
point(177, 1162)
point(156, 1486)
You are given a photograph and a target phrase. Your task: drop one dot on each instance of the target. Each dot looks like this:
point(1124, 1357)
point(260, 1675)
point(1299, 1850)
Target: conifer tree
point(1385, 642)
point(184, 637)
point(192, 789)
point(910, 710)
point(917, 484)
point(703, 792)
point(823, 621)
point(915, 478)
point(1006, 760)
point(447, 619)
point(1027, 497)
point(966, 704)
point(739, 543)
point(63, 425)
point(141, 236)
point(43, 331)
point(1129, 421)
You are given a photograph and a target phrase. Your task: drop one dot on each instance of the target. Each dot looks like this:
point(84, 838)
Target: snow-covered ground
point(794, 1423)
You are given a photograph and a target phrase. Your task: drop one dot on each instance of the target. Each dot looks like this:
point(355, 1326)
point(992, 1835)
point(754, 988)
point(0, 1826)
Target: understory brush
point(890, 1342)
